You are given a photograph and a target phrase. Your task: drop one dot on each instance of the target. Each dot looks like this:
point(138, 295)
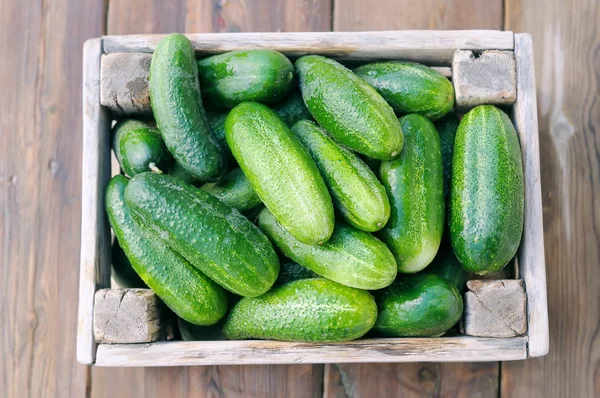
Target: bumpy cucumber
point(122, 271)
point(175, 170)
point(446, 128)
point(217, 123)
point(281, 171)
point(304, 310)
point(419, 305)
point(351, 257)
point(234, 77)
point(487, 199)
point(446, 265)
point(234, 190)
point(354, 188)
point(177, 108)
point(292, 109)
point(348, 108)
point(414, 184)
point(184, 289)
point(214, 237)
point(410, 87)
point(291, 271)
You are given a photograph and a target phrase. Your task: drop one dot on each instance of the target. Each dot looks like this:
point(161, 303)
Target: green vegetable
point(348, 108)
point(234, 190)
point(446, 265)
point(291, 271)
point(292, 109)
point(217, 123)
point(305, 310)
point(446, 128)
point(191, 332)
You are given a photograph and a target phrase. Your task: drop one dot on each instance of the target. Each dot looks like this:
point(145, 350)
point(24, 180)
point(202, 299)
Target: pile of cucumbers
point(271, 200)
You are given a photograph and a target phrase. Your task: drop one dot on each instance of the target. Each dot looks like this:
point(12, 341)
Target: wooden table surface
point(40, 173)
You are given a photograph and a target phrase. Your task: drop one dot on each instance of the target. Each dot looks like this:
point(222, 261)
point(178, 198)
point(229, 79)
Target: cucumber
point(291, 271)
point(414, 184)
point(487, 198)
point(234, 77)
point(355, 189)
point(446, 128)
point(348, 108)
point(191, 332)
point(281, 172)
point(179, 172)
point(177, 108)
point(446, 265)
point(420, 305)
point(234, 190)
point(217, 123)
point(184, 289)
point(122, 271)
point(315, 310)
point(292, 109)
point(212, 236)
point(139, 147)
point(410, 87)
point(351, 257)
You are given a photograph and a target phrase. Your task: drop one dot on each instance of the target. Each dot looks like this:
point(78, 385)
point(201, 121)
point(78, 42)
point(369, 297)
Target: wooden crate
point(434, 48)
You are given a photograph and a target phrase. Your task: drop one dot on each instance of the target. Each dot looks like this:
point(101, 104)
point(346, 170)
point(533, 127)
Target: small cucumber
point(355, 189)
point(122, 271)
point(348, 108)
point(292, 109)
point(446, 265)
point(217, 123)
point(487, 199)
point(414, 184)
point(234, 77)
point(184, 289)
point(234, 190)
point(281, 171)
point(177, 108)
point(306, 310)
point(139, 147)
point(351, 257)
point(291, 271)
point(410, 87)
point(214, 237)
point(421, 305)
point(180, 173)
point(446, 128)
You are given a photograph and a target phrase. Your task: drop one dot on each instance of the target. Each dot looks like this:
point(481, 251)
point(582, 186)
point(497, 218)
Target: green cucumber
point(354, 188)
point(184, 289)
point(351, 257)
point(234, 190)
point(487, 198)
point(122, 271)
point(315, 310)
point(410, 87)
point(292, 109)
point(414, 183)
point(446, 128)
point(281, 171)
point(191, 332)
point(291, 271)
point(179, 172)
point(421, 305)
point(446, 265)
point(177, 108)
point(212, 236)
point(217, 123)
point(234, 77)
point(348, 108)
point(139, 147)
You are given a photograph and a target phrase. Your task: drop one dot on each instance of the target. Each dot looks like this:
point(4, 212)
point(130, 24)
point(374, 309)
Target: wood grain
point(566, 43)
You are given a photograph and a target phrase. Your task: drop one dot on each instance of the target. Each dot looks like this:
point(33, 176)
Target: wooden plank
point(355, 15)
point(191, 353)
point(40, 174)
point(432, 47)
point(566, 41)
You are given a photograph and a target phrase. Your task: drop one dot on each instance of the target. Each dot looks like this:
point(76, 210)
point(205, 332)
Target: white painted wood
point(94, 267)
point(428, 46)
point(495, 308)
point(531, 254)
point(192, 353)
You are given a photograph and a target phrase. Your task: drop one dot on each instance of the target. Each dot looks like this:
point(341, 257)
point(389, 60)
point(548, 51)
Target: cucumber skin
point(122, 271)
point(184, 289)
point(351, 257)
point(281, 171)
point(348, 108)
point(229, 79)
point(137, 145)
point(234, 190)
point(410, 87)
point(487, 199)
point(217, 123)
point(446, 128)
point(446, 265)
point(291, 271)
point(315, 310)
point(292, 109)
point(420, 305)
point(177, 108)
point(353, 186)
point(212, 236)
point(414, 184)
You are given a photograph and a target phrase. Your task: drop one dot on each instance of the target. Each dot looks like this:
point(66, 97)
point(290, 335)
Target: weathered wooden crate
point(112, 91)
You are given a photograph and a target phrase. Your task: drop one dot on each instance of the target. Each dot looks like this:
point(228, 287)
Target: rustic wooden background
point(40, 158)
